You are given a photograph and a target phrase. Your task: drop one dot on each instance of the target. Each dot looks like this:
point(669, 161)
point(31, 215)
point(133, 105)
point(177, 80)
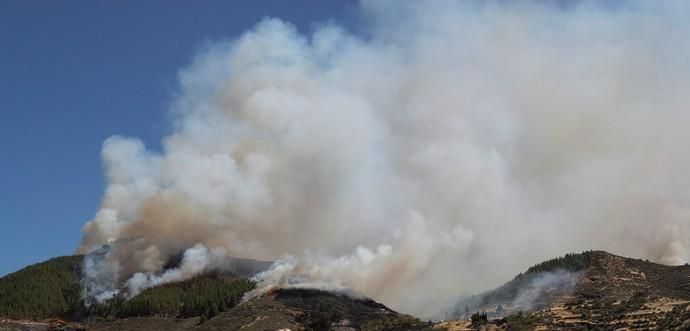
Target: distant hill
point(591, 290)
point(532, 289)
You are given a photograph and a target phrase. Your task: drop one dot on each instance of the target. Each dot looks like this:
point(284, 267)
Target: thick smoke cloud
point(437, 152)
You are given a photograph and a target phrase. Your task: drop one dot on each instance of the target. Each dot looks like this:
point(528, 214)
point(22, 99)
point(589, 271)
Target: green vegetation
point(43, 290)
point(204, 296)
point(569, 262)
point(51, 289)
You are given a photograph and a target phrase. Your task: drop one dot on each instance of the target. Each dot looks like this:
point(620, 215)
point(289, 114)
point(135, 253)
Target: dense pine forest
point(48, 289)
point(204, 296)
point(568, 262)
point(51, 290)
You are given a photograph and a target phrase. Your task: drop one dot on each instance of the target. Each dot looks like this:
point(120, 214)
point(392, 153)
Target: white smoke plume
point(541, 286)
point(100, 272)
point(438, 151)
point(195, 261)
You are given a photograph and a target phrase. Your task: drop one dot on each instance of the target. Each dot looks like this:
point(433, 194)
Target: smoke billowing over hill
point(435, 153)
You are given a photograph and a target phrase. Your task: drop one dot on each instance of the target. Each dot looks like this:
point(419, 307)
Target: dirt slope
point(609, 292)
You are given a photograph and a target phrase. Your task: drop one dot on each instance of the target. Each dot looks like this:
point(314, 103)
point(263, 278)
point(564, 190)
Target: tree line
point(204, 296)
point(52, 290)
point(43, 290)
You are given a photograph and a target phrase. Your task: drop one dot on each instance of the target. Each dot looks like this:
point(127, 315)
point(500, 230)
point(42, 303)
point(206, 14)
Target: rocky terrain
point(588, 291)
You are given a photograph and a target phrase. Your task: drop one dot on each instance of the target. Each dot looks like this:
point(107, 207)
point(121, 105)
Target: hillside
point(203, 296)
point(208, 302)
point(51, 289)
point(591, 290)
point(294, 309)
point(43, 290)
point(587, 291)
point(530, 290)
point(297, 309)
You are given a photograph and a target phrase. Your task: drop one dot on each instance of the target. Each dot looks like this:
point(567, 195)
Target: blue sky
point(73, 73)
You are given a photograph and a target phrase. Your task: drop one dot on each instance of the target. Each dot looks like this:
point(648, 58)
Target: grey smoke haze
point(438, 152)
point(559, 281)
point(526, 292)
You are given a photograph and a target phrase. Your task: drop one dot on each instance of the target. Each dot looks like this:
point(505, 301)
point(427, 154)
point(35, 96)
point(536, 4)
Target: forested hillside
point(51, 289)
point(203, 296)
point(48, 289)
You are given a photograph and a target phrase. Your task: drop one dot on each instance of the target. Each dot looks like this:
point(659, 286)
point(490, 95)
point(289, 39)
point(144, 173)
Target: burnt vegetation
point(323, 311)
point(312, 310)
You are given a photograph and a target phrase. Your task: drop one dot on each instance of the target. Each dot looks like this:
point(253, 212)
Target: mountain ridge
point(600, 291)
point(588, 290)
